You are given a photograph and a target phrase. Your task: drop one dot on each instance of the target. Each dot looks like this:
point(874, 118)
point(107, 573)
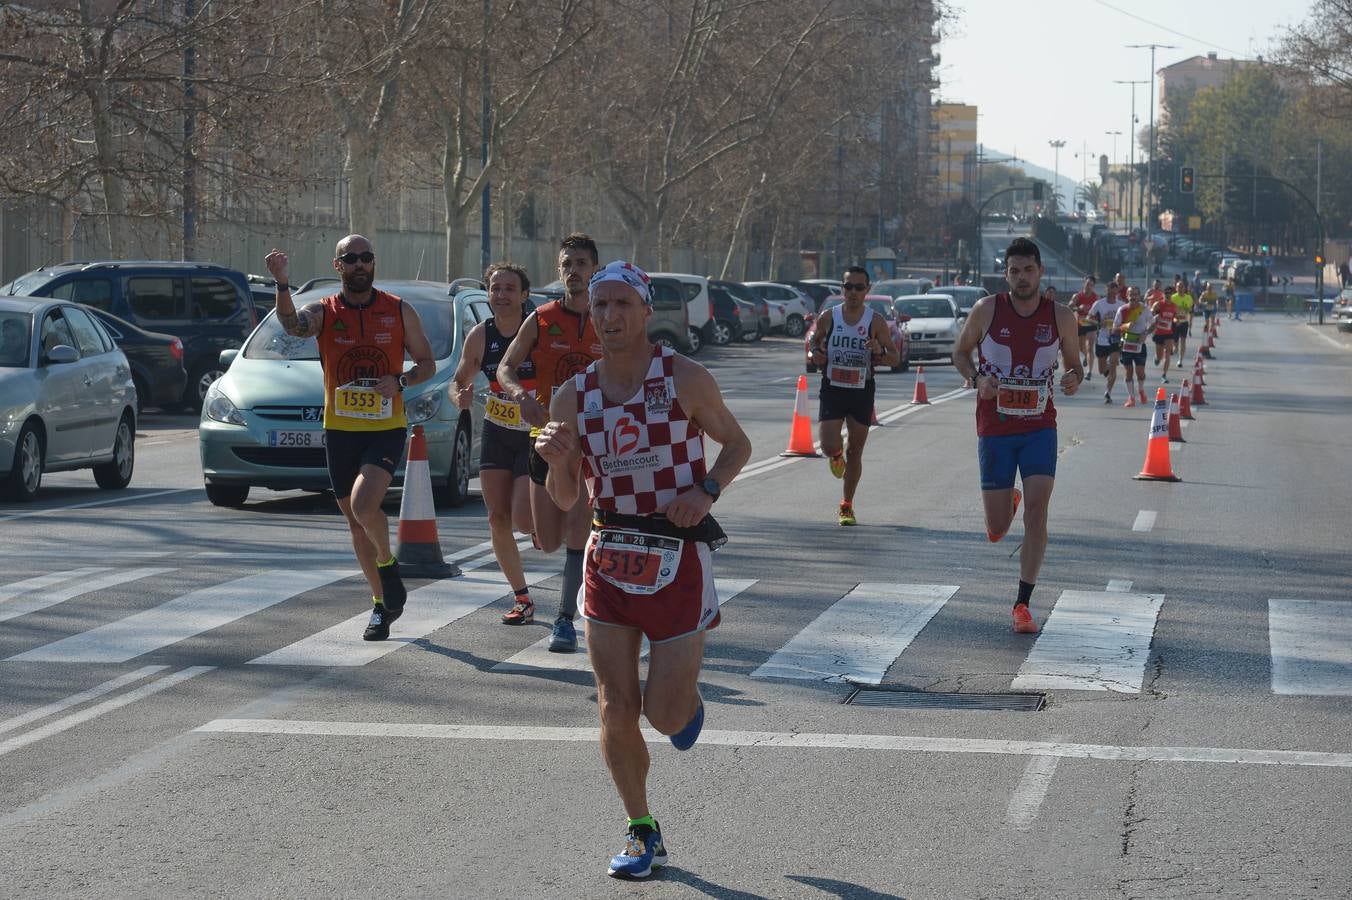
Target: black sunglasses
point(853, 286)
point(352, 258)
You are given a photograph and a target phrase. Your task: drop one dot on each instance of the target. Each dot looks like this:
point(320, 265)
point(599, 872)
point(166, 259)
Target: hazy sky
point(1044, 69)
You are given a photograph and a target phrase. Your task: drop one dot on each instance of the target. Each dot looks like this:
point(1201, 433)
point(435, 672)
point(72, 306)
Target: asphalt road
point(188, 709)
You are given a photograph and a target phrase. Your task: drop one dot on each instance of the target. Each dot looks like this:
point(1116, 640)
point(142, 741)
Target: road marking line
point(183, 617)
point(793, 741)
point(429, 608)
point(1030, 792)
point(35, 602)
point(1311, 646)
point(60, 509)
point(1145, 520)
point(113, 684)
point(1334, 341)
point(1093, 641)
point(14, 589)
point(537, 658)
point(66, 723)
point(860, 635)
point(1119, 584)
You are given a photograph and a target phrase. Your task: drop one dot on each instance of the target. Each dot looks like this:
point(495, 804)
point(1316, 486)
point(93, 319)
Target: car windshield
point(271, 342)
point(882, 308)
point(925, 309)
point(896, 289)
point(14, 337)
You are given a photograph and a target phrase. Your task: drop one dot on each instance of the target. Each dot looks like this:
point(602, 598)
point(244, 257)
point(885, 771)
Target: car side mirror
point(62, 353)
point(227, 357)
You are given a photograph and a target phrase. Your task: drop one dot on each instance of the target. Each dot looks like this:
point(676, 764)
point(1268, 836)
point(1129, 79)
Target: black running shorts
point(505, 448)
point(836, 403)
point(348, 451)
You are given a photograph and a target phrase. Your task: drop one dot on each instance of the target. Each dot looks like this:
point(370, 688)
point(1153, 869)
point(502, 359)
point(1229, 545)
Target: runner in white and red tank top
point(632, 425)
point(1020, 336)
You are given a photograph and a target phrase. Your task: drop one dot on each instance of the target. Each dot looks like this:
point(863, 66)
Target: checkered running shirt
point(637, 455)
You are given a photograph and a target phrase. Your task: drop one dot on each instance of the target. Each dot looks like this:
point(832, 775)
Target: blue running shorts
point(1000, 456)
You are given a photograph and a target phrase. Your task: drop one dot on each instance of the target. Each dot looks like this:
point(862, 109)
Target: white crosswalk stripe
point(33, 601)
point(1093, 641)
point(182, 617)
point(537, 657)
point(18, 588)
point(1311, 646)
point(860, 636)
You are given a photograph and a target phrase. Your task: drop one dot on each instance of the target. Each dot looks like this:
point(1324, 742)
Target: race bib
point(846, 376)
point(1022, 396)
point(1131, 343)
point(635, 562)
point(506, 413)
point(360, 400)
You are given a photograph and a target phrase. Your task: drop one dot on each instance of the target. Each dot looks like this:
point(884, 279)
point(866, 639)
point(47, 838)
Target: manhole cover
point(890, 698)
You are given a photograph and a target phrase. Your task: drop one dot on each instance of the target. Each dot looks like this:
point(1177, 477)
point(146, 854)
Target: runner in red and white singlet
point(1083, 302)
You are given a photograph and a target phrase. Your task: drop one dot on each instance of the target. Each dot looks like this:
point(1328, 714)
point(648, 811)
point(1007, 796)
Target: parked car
point(966, 295)
point(699, 309)
point(798, 306)
point(742, 292)
point(156, 360)
point(901, 287)
point(67, 400)
point(208, 307)
point(264, 291)
point(1341, 313)
point(262, 423)
point(732, 317)
point(934, 324)
point(818, 290)
point(881, 305)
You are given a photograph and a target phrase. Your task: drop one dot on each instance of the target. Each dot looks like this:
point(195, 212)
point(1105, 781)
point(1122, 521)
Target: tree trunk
point(360, 169)
point(457, 233)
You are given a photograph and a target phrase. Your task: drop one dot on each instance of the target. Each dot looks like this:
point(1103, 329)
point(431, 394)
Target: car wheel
point(116, 474)
point(25, 477)
point(696, 341)
point(794, 326)
point(722, 333)
point(665, 340)
point(456, 490)
point(232, 495)
point(199, 382)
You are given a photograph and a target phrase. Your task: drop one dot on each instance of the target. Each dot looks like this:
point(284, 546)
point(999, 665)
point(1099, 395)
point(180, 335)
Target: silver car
point(67, 400)
point(262, 422)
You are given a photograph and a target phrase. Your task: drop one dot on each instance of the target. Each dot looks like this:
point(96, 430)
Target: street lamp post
point(1056, 169)
point(1115, 136)
point(1131, 143)
point(1150, 180)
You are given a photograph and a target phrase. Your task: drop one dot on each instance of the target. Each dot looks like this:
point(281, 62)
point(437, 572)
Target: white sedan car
point(934, 326)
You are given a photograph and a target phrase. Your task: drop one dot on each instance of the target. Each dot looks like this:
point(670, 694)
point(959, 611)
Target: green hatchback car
point(262, 422)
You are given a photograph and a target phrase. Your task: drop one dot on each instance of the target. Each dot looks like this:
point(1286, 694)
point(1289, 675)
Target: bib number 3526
point(360, 400)
point(635, 562)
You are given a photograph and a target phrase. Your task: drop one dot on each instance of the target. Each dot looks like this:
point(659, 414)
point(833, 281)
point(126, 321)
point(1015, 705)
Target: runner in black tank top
point(506, 437)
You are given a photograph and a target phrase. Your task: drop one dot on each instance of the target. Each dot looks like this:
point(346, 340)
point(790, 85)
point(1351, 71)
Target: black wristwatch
point(711, 488)
point(403, 382)
point(283, 286)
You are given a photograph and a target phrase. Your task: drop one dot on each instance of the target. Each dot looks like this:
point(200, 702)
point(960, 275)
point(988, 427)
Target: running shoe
point(523, 613)
point(1023, 620)
point(847, 514)
point(1165, 379)
point(643, 851)
point(1107, 397)
point(563, 638)
point(378, 628)
point(837, 465)
point(393, 592)
point(686, 737)
point(1088, 375)
point(1131, 401)
point(1143, 400)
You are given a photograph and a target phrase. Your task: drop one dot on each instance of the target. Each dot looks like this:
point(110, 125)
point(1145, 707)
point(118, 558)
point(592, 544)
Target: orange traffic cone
point(1198, 370)
point(1185, 401)
point(1157, 467)
point(419, 550)
point(1175, 421)
point(1207, 345)
point(921, 395)
point(800, 433)
point(1198, 397)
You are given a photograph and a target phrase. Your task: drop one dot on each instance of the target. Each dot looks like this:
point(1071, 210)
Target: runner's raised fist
point(277, 263)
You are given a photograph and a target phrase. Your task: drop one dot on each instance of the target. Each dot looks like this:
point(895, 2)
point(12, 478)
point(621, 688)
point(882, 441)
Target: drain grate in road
point(891, 698)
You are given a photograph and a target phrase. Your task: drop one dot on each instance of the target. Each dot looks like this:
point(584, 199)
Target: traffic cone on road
point(1185, 401)
point(1175, 421)
point(1207, 345)
point(1157, 466)
point(800, 432)
point(1198, 396)
point(921, 395)
point(1198, 370)
point(419, 550)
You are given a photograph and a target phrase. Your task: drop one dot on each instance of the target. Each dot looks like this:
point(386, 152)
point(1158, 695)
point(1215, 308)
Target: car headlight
point(218, 407)
point(424, 406)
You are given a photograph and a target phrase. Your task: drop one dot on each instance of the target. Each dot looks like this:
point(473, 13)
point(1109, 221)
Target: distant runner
point(1107, 344)
point(1082, 303)
point(1132, 323)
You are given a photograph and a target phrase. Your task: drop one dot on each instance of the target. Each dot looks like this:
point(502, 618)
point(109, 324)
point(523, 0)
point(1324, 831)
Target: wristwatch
point(283, 286)
point(710, 486)
point(403, 383)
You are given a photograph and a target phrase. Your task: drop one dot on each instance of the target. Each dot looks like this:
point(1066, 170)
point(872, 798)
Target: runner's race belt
point(708, 531)
point(359, 399)
point(505, 413)
point(1022, 396)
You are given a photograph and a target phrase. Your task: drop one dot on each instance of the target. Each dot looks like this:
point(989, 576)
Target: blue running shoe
point(563, 639)
point(643, 852)
point(686, 737)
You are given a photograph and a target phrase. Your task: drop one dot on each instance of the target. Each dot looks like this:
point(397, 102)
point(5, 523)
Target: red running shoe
point(1023, 620)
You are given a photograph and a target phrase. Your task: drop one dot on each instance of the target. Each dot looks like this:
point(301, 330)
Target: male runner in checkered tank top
point(632, 426)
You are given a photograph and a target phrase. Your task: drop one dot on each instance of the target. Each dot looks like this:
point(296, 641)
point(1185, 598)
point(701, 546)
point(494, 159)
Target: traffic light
point(1263, 249)
point(1185, 179)
point(1319, 259)
point(1037, 190)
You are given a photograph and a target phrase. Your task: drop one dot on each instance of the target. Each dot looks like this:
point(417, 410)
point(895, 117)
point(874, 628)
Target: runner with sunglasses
point(848, 342)
point(363, 334)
